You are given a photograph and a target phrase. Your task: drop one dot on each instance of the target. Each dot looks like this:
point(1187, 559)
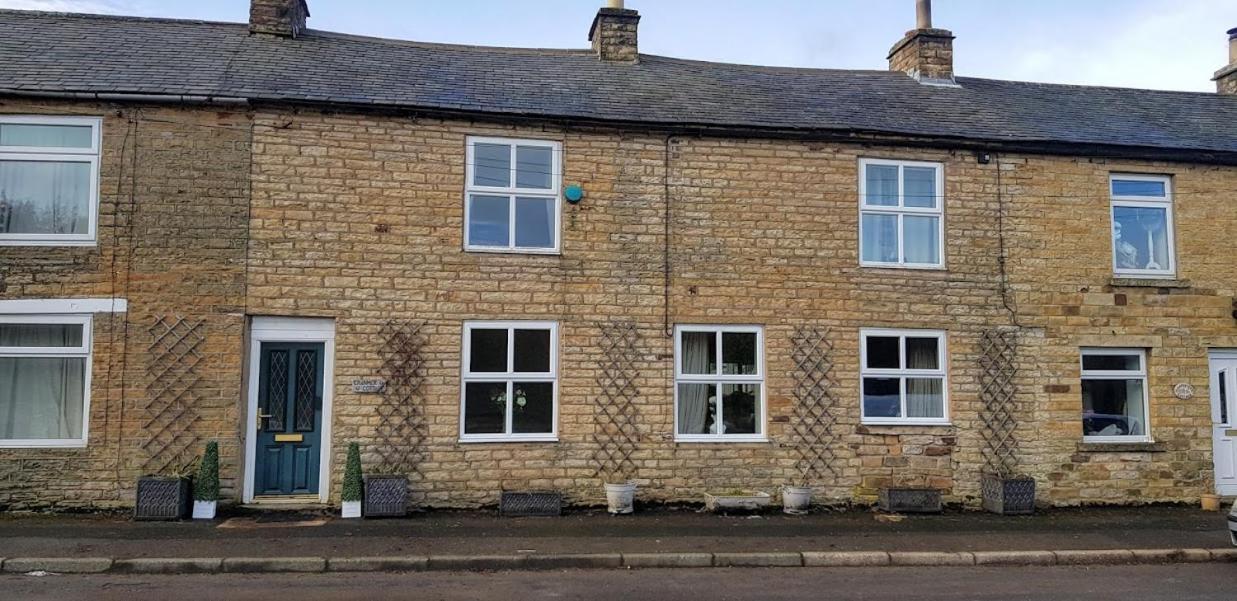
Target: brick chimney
point(614, 33)
point(284, 18)
point(1226, 78)
point(925, 53)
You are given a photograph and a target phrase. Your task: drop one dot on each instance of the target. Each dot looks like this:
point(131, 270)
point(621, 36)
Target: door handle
point(261, 416)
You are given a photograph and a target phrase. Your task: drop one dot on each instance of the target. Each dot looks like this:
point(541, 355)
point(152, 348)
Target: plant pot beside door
point(354, 486)
point(1012, 495)
point(206, 486)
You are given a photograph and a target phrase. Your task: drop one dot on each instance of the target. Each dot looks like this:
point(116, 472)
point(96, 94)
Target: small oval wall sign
point(1184, 391)
point(368, 385)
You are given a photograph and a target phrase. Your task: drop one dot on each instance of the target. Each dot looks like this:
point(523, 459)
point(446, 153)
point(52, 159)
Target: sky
point(1159, 44)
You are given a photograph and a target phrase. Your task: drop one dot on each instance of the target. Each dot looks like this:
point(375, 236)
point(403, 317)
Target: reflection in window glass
point(882, 185)
point(740, 408)
point(492, 165)
point(880, 238)
point(488, 221)
point(922, 243)
point(534, 222)
point(533, 167)
point(919, 187)
point(44, 197)
point(1140, 237)
point(1150, 188)
point(46, 136)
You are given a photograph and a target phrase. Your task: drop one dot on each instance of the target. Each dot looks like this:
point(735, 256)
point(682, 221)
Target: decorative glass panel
point(41, 398)
point(534, 222)
point(1223, 385)
point(1140, 238)
point(699, 353)
point(489, 220)
point(492, 165)
point(738, 353)
point(46, 136)
point(532, 351)
point(533, 167)
point(44, 197)
point(740, 408)
point(277, 390)
point(306, 390)
point(922, 242)
point(487, 350)
point(485, 407)
point(532, 408)
point(881, 185)
point(1132, 187)
point(1113, 407)
point(919, 187)
point(882, 397)
point(697, 408)
point(35, 335)
point(880, 238)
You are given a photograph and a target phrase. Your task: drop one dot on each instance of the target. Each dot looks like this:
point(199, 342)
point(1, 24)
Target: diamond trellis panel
point(999, 395)
point(277, 391)
point(813, 427)
point(173, 392)
point(306, 389)
point(402, 425)
point(616, 432)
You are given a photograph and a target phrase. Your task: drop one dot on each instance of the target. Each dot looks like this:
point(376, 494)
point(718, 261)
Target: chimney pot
point(614, 33)
point(1226, 78)
point(284, 18)
point(923, 14)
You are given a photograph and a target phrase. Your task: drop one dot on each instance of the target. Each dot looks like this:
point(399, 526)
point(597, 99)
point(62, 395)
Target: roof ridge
point(115, 17)
point(1049, 84)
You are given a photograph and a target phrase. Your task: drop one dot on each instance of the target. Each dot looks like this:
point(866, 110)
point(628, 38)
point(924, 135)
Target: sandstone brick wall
point(172, 220)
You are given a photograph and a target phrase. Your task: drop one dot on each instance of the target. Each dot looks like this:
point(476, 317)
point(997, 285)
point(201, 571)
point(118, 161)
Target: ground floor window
point(509, 381)
point(903, 377)
point(1114, 395)
point(719, 383)
point(44, 380)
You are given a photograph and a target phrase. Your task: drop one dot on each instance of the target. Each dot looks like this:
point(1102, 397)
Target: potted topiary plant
point(354, 485)
point(206, 486)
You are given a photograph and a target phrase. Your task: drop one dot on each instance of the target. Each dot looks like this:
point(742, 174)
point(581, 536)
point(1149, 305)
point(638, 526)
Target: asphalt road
point(1185, 582)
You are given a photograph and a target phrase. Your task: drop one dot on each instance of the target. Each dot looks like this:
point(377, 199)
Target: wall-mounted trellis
point(616, 433)
point(402, 426)
point(998, 392)
point(174, 359)
point(814, 416)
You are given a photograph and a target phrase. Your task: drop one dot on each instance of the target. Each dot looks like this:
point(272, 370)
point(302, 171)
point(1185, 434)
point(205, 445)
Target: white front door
point(1224, 421)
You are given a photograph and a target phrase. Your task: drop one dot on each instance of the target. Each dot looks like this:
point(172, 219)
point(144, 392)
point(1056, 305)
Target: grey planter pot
point(531, 503)
point(910, 500)
point(1008, 496)
point(386, 496)
point(161, 498)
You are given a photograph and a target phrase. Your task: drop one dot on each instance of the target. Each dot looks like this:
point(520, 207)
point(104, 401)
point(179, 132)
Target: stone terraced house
point(527, 269)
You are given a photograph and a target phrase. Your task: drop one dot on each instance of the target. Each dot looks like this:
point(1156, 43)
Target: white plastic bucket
point(620, 498)
point(796, 499)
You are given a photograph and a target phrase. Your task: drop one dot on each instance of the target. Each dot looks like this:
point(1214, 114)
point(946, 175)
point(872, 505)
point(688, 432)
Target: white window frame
point(902, 211)
point(553, 193)
point(75, 155)
point(942, 371)
point(719, 379)
point(84, 351)
point(1143, 202)
point(1141, 374)
point(509, 376)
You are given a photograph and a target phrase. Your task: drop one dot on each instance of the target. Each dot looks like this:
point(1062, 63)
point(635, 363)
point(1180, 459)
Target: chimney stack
point(1226, 78)
point(613, 33)
point(925, 53)
point(284, 18)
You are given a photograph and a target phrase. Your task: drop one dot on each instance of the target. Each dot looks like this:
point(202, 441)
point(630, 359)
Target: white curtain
point(44, 197)
point(694, 398)
point(923, 395)
point(40, 397)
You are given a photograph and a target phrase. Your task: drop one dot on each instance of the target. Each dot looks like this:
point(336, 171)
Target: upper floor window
point(1114, 395)
point(903, 377)
point(1142, 226)
point(510, 381)
point(49, 180)
point(44, 380)
point(719, 383)
point(901, 214)
point(512, 195)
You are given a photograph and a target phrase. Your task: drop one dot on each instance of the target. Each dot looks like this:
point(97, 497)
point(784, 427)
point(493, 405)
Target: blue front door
point(289, 419)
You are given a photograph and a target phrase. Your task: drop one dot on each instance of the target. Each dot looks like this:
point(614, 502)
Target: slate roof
point(57, 52)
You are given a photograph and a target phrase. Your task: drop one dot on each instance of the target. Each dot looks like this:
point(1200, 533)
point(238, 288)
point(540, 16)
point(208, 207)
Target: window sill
point(1122, 447)
point(1148, 282)
point(902, 266)
point(513, 251)
point(722, 440)
point(506, 439)
point(880, 423)
point(46, 243)
point(42, 444)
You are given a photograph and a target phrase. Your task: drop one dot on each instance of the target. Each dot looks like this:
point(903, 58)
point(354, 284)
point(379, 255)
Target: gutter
point(122, 97)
